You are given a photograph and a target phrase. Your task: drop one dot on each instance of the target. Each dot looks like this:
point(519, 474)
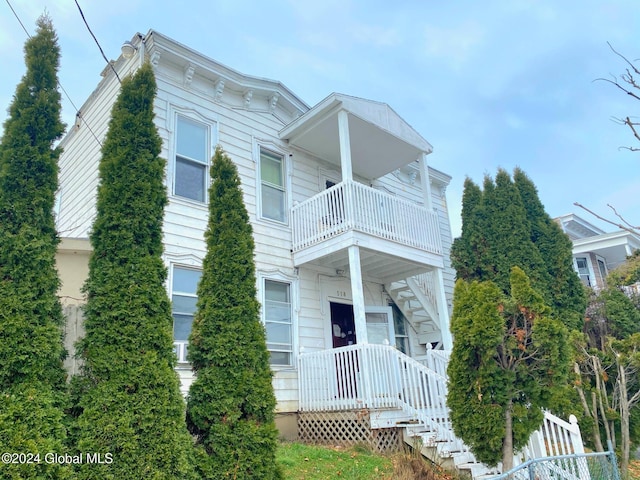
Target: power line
point(18, 18)
point(97, 43)
point(78, 114)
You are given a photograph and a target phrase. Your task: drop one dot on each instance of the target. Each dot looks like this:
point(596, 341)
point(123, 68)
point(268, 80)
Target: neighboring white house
point(596, 252)
point(350, 223)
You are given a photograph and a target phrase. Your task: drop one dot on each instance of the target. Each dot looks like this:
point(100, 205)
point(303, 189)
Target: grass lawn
point(307, 462)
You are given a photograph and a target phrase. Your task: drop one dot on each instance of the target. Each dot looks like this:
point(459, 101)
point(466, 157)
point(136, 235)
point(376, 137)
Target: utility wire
point(18, 18)
point(97, 43)
point(78, 113)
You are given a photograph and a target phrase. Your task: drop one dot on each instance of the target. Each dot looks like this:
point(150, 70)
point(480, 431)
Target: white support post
point(443, 311)
point(357, 293)
point(426, 182)
point(345, 146)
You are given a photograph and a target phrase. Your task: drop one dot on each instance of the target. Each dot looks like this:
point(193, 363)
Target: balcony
point(350, 213)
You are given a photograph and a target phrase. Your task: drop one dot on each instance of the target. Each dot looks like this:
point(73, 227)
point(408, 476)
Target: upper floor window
point(583, 270)
point(273, 186)
point(278, 321)
point(190, 173)
point(183, 306)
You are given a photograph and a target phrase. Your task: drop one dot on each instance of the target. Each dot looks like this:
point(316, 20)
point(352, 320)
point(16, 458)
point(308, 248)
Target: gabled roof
point(577, 227)
point(381, 141)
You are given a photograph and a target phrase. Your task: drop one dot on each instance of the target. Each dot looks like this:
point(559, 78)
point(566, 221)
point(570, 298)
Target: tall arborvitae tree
point(32, 379)
point(565, 291)
point(231, 403)
point(508, 233)
point(470, 249)
point(128, 402)
point(505, 225)
point(509, 358)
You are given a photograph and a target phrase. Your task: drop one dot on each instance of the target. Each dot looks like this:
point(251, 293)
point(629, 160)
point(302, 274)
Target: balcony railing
point(352, 206)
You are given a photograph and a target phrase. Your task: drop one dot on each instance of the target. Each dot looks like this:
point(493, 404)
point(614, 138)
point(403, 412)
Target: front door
point(350, 367)
point(379, 325)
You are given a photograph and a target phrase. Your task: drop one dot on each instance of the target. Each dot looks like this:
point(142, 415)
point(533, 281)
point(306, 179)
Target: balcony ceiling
point(381, 141)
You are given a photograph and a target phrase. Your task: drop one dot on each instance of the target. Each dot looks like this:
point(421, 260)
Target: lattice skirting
point(347, 428)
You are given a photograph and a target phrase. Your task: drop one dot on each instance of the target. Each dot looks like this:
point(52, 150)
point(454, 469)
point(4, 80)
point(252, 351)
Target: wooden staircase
point(415, 297)
point(402, 392)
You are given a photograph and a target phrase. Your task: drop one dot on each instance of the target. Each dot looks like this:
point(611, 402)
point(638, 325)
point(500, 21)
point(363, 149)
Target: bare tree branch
point(622, 218)
point(632, 88)
point(629, 228)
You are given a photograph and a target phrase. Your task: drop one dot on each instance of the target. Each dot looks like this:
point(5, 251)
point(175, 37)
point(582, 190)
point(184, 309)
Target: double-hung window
point(190, 173)
point(277, 320)
point(183, 305)
point(273, 186)
point(583, 270)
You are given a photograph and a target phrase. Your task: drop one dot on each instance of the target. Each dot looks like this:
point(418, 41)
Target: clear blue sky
point(488, 83)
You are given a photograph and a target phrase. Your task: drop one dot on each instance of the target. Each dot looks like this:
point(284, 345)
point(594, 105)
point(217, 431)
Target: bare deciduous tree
point(628, 82)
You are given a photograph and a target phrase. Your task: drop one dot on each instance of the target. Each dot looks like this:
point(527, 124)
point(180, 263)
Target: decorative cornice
point(247, 98)
point(273, 101)
point(189, 71)
point(219, 89)
point(155, 58)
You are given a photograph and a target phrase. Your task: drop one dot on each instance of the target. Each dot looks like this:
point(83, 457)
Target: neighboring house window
point(400, 327)
point(191, 159)
point(278, 322)
point(183, 307)
point(583, 270)
point(603, 270)
point(273, 186)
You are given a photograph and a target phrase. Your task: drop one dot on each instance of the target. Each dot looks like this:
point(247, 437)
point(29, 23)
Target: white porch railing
point(380, 377)
point(376, 377)
point(352, 206)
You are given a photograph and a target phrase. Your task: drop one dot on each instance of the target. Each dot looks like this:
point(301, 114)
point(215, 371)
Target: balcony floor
point(381, 259)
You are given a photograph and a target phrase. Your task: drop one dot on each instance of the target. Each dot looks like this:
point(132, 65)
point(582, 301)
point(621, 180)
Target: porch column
point(426, 181)
point(443, 312)
point(357, 292)
point(345, 146)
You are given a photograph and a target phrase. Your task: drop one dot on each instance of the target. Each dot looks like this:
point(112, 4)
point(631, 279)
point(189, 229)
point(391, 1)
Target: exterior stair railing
point(379, 377)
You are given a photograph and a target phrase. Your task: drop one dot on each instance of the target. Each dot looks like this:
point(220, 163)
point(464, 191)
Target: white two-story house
point(352, 242)
point(351, 225)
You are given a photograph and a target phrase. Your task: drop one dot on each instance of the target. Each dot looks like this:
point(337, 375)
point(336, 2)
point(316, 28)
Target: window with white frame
point(273, 186)
point(192, 159)
point(183, 307)
point(278, 321)
point(583, 270)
